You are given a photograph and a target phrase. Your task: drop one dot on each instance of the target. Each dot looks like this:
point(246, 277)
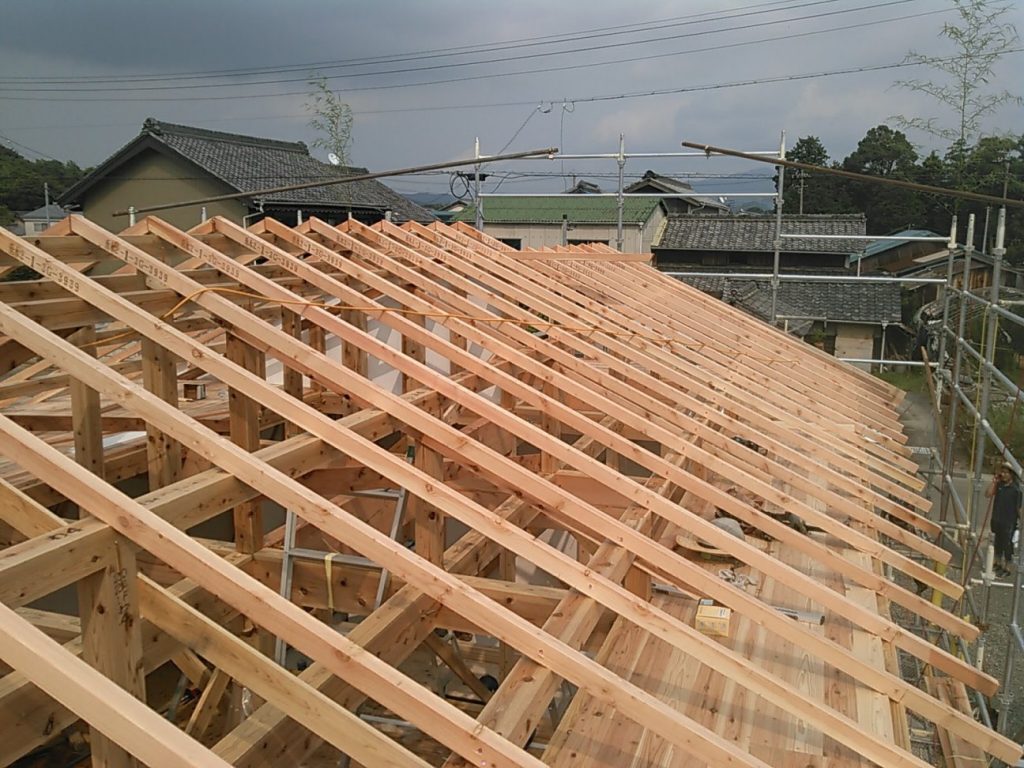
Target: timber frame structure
point(566, 425)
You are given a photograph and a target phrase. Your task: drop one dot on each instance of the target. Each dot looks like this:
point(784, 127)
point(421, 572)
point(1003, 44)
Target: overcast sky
point(425, 78)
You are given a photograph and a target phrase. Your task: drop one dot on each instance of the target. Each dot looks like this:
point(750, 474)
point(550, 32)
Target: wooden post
point(85, 415)
point(244, 419)
point(352, 356)
point(415, 350)
point(429, 520)
point(553, 427)
point(291, 323)
point(160, 376)
point(318, 341)
point(506, 572)
point(107, 599)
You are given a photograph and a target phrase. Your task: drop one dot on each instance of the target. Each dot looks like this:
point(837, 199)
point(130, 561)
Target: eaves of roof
point(550, 209)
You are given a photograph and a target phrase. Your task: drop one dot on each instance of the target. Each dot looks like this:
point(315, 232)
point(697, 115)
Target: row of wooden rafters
point(721, 375)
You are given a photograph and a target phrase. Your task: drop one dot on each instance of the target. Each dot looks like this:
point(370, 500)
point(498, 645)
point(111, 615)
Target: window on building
point(515, 242)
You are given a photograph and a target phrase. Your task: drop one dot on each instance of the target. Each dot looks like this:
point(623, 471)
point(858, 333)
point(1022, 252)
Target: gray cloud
point(400, 126)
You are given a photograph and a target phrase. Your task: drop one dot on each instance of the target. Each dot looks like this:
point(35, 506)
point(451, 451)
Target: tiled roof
point(874, 303)
point(56, 213)
point(665, 183)
point(549, 209)
point(696, 232)
point(876, 247)
point(250, 163)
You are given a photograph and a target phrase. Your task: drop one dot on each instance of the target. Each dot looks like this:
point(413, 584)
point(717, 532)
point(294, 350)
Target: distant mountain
point(430, 199)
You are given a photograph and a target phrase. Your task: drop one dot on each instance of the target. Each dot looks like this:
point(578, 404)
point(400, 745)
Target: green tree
point(332, 118)
point(885, 153)
point(961, 84)
point(22, 181)
point(993, 164)
point(821, 192)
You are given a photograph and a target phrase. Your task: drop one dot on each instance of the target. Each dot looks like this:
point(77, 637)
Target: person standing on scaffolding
point(1006, 498)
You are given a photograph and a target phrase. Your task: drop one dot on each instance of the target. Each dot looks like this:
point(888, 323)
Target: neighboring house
point(34, 222)
point(845, 319)
point(848, 320)
point(583, 187)
point(722, 242)
point(936, 266)
point(680, 200)
point(168, 163)
point(544, 221)
point(896, 256)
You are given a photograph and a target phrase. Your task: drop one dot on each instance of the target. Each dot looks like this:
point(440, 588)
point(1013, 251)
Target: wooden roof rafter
point(548, 389)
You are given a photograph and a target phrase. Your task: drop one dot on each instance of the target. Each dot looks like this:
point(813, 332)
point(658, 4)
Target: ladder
point(291, 553)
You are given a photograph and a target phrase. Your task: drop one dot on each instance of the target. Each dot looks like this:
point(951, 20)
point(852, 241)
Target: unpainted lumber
point(122, 719)
point(234, 658)
point(541, 556)
point(458, 596)
point(721, 499)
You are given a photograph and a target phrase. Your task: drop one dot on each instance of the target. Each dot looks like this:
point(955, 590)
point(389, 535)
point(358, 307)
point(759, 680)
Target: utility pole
point(46, 197)
point(777, 244)
point(621, 201)
point(476, 193)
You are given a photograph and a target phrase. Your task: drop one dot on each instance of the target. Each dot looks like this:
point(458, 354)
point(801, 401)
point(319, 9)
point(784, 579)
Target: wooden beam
point(504, 626)
point(108, 708)
point(160, 376)
point(429, 521)
point(278, 615)
point(245, 432)
point(235, 658)
point(206, 707)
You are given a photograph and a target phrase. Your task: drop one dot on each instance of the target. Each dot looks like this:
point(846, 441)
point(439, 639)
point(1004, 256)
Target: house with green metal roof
point(544, 221)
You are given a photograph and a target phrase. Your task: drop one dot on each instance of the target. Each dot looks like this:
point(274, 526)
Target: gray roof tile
point(696, 232)
point(873, 303)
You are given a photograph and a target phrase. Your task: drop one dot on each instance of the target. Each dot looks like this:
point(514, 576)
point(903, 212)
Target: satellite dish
point(333, 159)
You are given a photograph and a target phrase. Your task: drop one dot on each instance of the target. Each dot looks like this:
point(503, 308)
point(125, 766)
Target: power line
point(339, 181)
point(431, 53)
point(407, 70)
point(29, 149)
